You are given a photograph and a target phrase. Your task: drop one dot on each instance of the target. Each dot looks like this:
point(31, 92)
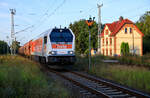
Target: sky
point(36, 16)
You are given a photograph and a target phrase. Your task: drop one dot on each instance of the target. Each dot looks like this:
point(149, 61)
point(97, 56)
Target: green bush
point(124, 49)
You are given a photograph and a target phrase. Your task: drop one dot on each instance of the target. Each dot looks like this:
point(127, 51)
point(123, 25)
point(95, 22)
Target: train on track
point(56, 45)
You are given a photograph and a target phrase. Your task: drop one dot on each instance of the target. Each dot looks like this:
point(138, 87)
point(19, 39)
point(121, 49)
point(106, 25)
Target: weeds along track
point(111, 89)
point(97, 87)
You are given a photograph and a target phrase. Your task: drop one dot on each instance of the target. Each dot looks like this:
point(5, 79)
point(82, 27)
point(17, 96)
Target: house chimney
point(121, 18)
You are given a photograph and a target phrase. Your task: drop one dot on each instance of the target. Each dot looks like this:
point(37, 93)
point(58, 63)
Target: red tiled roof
point(116, 26)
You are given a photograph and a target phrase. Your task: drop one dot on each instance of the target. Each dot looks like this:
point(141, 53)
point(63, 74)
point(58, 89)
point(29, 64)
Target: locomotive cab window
point(45, 39)
point(63, 36)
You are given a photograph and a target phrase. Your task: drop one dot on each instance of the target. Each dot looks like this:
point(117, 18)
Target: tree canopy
point(4, 48)
point(144, 25)
point(15, 46)
point(81, 31)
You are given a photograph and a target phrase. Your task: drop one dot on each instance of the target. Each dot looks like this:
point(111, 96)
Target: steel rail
point(115, 86)
point(91, 90)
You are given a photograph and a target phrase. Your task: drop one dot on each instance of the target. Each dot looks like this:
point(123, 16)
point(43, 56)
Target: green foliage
point(81, 31)
point(144, 25)
point(15, 46)
point(22, 78)
point(135, 60)
point(146, 45)
point(124, 48)
point(82, 63)
point(4, 48)
point(133, 76)
point(127, 48)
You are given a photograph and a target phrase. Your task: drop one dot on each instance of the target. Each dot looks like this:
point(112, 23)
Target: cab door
point(44, 46)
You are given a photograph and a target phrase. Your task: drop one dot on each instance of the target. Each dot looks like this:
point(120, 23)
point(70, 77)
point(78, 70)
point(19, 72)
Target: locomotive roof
point(49, 30)
point(43, 34)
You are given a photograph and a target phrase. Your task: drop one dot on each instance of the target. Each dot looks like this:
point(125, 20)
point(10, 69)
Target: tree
point(15, 46)
point(81, 31)
point(144, 25)
point(124, 48)
point(4, 48)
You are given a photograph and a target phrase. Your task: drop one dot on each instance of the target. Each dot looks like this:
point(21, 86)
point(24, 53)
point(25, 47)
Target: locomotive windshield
point(63, 35)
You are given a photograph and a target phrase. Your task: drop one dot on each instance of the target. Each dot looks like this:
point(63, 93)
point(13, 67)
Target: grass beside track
point(20, 77)
point(133, 76)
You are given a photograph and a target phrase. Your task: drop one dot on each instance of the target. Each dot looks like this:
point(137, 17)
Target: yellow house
point(120, 31)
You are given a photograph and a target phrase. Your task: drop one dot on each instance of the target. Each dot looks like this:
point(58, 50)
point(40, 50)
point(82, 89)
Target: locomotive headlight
point(71, 52)
point(52, 52)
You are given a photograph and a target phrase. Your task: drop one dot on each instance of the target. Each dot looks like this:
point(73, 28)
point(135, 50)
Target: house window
point(125, 30)
point(106, 32)
point(110, 41)
point(106, 41)
point(130, 30)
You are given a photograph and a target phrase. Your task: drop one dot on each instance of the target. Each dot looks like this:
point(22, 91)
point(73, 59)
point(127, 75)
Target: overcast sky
point(40, 15)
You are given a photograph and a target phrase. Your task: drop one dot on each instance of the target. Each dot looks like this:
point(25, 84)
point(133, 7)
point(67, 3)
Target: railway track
point(98, 87)
point(116, 90)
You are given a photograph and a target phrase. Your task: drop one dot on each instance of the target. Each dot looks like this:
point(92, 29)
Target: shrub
point(124, 48)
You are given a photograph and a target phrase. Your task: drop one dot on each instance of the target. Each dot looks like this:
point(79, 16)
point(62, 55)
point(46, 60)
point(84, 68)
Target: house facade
point(120, 31)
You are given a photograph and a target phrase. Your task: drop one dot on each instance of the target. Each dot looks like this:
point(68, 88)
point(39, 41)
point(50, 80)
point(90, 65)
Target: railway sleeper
point(94, 96)
point(130, 96)
point(111, 90)
point(103, 86)
point(120, 96)
point(95, 86)
point(99, 84)
point(87, 93)
point(104, 89)
point(88, 96)
point(114, 93)
point(83, 91)
point(94, 83)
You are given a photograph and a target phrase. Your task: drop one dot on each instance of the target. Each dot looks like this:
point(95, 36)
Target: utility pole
point(15, 46)
point(133, 43)
point(99, 27)
point(13, 12)
point(7, 44)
